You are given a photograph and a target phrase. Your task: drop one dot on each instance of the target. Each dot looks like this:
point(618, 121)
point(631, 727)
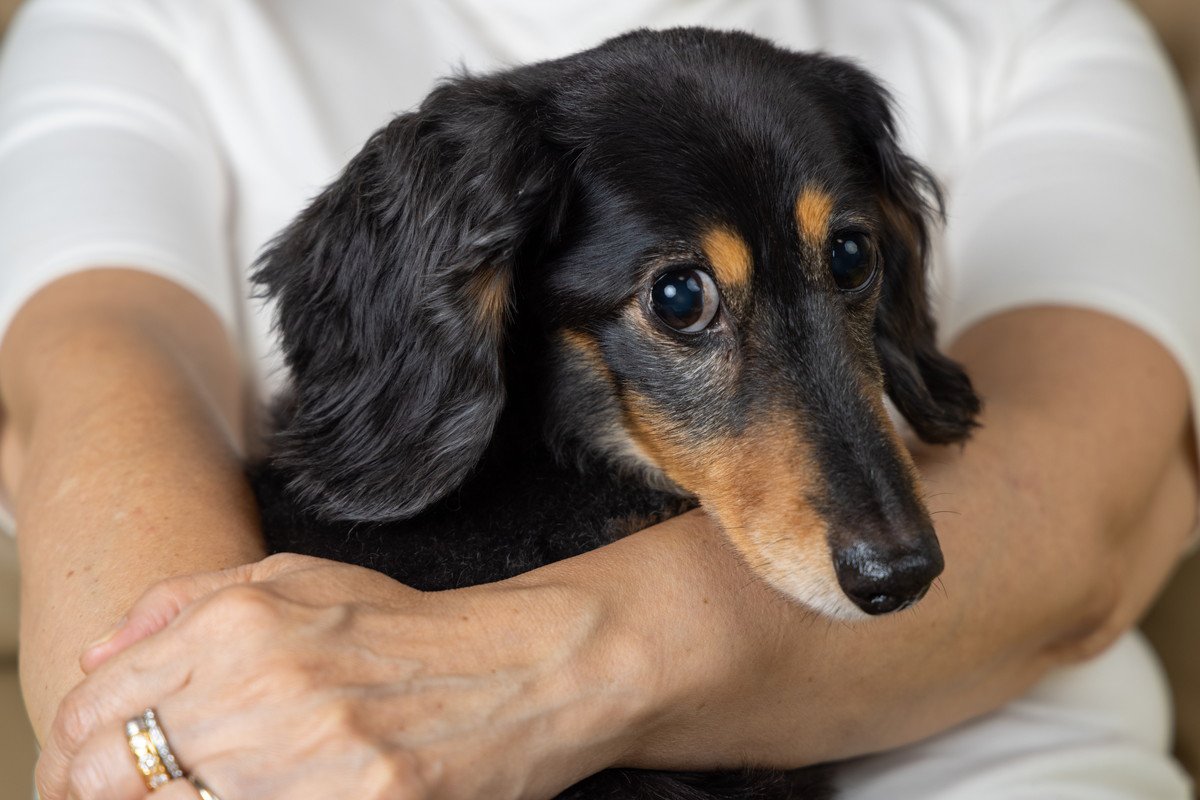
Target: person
point(149, 148)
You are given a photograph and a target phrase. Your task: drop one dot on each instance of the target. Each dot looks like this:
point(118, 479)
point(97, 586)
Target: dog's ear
point(932, 392)
point(393, 290)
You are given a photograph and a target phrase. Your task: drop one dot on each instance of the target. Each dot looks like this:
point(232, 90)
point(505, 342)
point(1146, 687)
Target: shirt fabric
point(178, 137)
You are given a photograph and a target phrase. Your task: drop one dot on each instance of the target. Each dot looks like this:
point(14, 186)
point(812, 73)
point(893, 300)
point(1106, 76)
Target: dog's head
point(724, 247)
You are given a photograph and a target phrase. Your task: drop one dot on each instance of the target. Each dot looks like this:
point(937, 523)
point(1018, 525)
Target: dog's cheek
point(585, 412)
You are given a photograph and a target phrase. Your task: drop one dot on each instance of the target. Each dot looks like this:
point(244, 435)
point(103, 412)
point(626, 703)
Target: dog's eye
point(850, 261)
point(686, 299)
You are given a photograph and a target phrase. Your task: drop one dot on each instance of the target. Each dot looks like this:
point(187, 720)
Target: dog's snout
point(881, 578)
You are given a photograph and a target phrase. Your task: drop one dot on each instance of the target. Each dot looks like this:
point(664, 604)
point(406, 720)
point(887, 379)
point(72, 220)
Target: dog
point(558, 303)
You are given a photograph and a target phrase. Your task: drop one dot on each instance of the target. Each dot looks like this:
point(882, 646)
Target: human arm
point(1061, 519)
point(114, 381)
point(122, 436)
point(661, 649)
point(1019, 183)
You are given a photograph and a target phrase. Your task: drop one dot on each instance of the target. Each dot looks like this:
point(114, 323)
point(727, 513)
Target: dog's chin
point(816, 595)
point(799, 569)
point(802, 571)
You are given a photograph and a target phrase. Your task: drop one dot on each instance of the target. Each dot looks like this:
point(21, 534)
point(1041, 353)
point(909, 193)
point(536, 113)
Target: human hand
point(297, 677)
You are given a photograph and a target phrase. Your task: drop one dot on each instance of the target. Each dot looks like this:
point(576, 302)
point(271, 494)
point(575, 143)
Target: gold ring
point(205, 792)
point(145, 754)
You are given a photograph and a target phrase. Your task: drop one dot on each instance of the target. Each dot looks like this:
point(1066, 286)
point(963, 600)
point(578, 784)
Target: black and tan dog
point(560, 302)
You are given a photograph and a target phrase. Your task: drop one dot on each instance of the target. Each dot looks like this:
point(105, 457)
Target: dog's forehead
point(687, 163)
point(733, 149)
point(715, 117)
point(719, 190)
point(690, 152)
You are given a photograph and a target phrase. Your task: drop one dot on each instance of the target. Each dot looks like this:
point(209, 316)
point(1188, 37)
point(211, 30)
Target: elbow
point(1125, 568)
point(1110, 599)
point(1093, 620)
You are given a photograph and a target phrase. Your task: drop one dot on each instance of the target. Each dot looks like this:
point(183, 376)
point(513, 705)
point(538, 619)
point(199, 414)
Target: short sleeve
point(106, 155)
point(1083, 187)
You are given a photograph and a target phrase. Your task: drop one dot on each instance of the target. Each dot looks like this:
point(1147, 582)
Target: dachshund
point(561, 302)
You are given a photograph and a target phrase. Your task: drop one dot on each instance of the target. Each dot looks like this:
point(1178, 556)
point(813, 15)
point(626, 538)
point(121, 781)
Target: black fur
point(435, 439)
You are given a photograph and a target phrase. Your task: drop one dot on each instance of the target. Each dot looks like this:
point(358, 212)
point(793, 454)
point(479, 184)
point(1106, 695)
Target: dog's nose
point(881, 579)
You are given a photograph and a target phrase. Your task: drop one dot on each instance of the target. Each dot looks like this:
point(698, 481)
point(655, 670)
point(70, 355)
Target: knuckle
point(281, 565)
point(86, 778)
point(282, 562)
point(245, 607)
point(392, 776)
point(165, 591)
point(74, 721)
point(385, 772)
point(42, 780)
point(340, 721)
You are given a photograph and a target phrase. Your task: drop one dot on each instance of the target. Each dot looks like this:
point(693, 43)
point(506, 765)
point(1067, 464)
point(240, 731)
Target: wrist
point(595, 670)
point(668, 641)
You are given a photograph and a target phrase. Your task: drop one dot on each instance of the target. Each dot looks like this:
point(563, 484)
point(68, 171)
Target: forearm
point(1066, 513)
point(120, 450)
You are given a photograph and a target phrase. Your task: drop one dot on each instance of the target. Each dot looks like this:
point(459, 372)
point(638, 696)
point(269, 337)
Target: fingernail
point(106, 638)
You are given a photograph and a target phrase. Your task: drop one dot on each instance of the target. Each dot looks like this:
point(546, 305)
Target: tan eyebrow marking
point(813, 209)
point(587, 346)
point(729, 255)
point(490, 290)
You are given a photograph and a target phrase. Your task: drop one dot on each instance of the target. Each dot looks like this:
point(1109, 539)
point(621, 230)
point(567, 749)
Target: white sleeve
point(1083, 188)
point(106, 155)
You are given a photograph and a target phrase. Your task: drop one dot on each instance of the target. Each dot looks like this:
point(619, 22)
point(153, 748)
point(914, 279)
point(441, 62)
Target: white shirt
point(177, 136)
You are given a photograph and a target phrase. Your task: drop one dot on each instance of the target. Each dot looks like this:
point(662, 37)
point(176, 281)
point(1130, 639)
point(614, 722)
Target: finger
point(148, 672)
point(175, 790)
point(105, 768)
point(155, 609)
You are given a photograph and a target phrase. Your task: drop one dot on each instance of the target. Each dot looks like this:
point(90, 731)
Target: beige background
point(1174, 625)
point(16, 740)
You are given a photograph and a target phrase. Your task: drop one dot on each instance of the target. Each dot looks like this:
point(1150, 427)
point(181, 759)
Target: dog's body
point(522, 509)
point(560, 303)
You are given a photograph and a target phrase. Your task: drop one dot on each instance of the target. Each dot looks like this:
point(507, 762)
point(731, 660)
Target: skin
point(1059, 522)
point(130, 412)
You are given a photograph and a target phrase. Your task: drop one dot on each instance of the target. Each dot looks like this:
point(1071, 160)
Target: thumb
point(155, 609)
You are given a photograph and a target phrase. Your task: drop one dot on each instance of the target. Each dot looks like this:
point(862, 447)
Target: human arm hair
point(122, 436)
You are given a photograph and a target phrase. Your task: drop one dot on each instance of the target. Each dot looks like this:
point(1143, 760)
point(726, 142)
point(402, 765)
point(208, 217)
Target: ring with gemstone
point(150, 750)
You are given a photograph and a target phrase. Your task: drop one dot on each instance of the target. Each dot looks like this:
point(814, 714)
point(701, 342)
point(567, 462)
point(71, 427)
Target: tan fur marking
point(611, 432)
point(729, 255)
point(489, 289)
point(905, 222)
point(813, 209)
point(589, 348)
point(757, 486)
